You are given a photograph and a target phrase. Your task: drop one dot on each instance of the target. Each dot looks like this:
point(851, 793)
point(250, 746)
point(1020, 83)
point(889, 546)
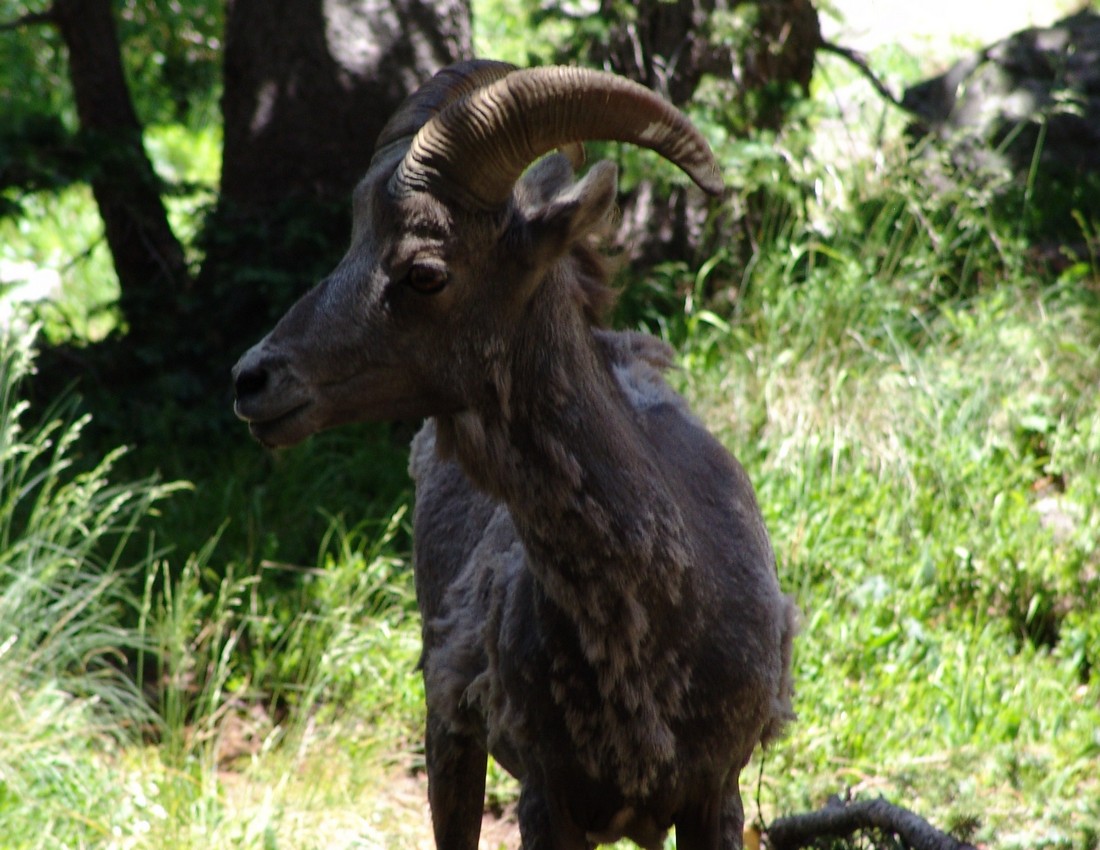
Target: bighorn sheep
point(600, 605)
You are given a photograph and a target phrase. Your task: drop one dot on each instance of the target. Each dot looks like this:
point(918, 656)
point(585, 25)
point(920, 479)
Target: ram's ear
point(544, 180)
point(575, 212)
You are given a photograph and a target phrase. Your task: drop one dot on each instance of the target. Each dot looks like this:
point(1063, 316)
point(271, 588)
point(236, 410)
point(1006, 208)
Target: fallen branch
point(840, 819)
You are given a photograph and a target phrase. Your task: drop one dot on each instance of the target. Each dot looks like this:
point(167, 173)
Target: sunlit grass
point(69, 547)
point(908, 471)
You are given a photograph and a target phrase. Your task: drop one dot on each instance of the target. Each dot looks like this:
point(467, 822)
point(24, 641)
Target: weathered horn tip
point(710, 180)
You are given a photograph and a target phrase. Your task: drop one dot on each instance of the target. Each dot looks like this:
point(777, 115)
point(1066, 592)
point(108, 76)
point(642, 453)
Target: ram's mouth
point(281, 429)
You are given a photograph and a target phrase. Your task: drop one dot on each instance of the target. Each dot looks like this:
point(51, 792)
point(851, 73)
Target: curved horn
point(444, 88)
point(478, 146)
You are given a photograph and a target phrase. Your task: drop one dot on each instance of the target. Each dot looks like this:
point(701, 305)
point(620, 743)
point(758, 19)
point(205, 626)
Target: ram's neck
point(562, 447)
point(603, 529)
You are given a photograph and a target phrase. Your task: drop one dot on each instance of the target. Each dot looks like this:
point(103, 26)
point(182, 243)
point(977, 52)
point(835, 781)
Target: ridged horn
point(446, 87)
point(477, 146)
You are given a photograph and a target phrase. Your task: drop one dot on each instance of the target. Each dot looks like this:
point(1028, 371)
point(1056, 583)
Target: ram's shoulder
point(639, 363)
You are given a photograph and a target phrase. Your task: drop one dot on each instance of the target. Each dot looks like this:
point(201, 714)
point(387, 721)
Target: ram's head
point(449, 239)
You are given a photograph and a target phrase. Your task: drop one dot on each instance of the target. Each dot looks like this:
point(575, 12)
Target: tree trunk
point(670, 46)
point(310, 83)
point(147, 256)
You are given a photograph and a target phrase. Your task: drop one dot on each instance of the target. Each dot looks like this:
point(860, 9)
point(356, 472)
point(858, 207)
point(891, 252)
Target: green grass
point(907, 441)
point(950, 638)
point(68, 548)
point(147, 691)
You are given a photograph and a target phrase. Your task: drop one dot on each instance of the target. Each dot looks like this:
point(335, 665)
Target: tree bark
point(148, 258)
point(670, 46)
point(310, 83)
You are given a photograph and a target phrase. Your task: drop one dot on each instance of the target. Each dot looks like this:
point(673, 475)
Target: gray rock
point(1038, 89)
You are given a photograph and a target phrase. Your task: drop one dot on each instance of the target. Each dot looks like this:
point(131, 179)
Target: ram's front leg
point(714, 822)
point(456, 785)
point(733, 816)
point(540, 828)
point(700, 825)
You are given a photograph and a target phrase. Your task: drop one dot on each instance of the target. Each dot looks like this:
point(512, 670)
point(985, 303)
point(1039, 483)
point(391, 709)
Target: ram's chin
point(286, 430)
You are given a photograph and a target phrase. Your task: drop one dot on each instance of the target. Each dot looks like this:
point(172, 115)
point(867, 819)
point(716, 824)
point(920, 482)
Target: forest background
point(202, 644)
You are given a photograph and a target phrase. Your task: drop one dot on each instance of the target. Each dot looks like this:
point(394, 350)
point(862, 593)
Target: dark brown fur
point(600, 604)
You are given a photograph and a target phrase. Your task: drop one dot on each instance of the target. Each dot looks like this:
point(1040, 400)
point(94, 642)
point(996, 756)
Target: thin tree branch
point(861, 65)
point(839, 819)
point(29, 20)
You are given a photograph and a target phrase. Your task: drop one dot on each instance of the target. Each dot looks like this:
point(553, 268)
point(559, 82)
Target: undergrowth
point(918, 410)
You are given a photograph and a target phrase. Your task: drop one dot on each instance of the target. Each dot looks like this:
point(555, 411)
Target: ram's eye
point(426, 279)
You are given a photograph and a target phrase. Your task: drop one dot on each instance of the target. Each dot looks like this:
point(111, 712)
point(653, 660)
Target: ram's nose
point(251, 378)
point(265, 386)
